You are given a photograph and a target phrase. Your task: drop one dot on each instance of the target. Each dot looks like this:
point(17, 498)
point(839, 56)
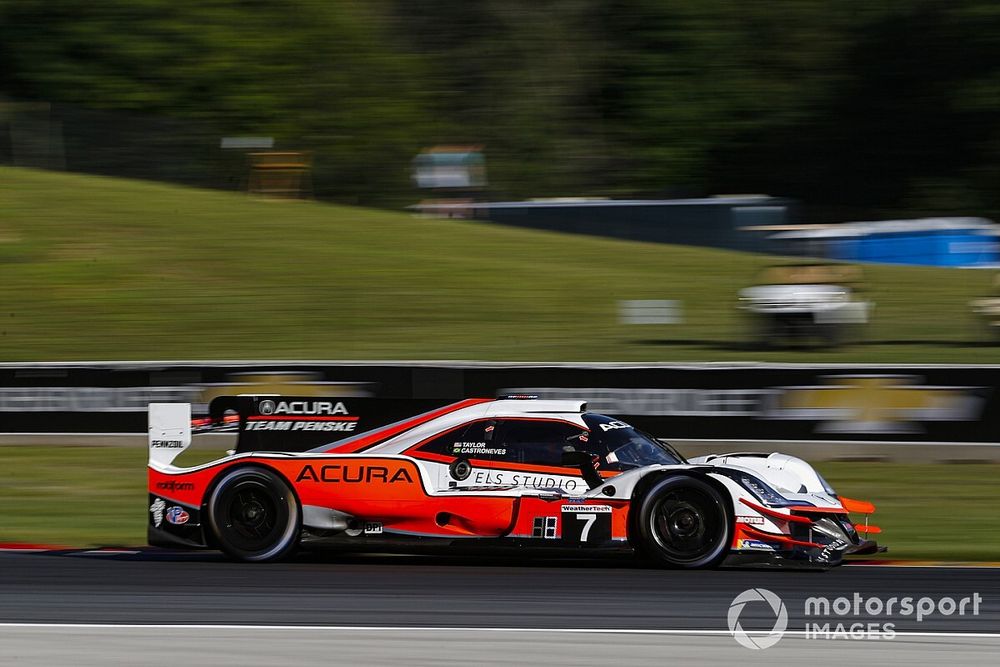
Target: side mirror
point(585, 462)
point(573, 457)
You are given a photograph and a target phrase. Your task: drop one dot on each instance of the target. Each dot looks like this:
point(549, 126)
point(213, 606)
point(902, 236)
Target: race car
point(485, 473)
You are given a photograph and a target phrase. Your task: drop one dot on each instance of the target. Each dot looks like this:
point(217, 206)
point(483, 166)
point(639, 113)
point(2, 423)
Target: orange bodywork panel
point(387, 490)
point(859, 506)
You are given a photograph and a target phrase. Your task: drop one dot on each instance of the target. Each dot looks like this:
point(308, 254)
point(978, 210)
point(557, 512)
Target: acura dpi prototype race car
point(514, 471)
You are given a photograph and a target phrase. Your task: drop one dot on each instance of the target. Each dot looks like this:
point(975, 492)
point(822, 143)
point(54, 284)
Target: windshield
point(626, 447)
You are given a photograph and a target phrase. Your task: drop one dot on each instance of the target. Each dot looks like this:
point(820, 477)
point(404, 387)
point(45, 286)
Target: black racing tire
point(684, 522)
point(254, 516)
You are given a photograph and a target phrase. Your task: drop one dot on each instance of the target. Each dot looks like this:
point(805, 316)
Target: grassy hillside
point(95, 268)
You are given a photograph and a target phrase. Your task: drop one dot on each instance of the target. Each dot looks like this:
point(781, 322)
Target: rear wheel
point(684, 522)
point(254, 515)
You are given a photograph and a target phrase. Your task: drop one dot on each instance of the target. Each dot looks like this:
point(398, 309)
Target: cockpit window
point(624, 447)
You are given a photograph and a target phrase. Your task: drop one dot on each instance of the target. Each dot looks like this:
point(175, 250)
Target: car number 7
point(589, 519)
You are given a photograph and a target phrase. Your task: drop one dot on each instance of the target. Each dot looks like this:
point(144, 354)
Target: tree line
point(855, 108)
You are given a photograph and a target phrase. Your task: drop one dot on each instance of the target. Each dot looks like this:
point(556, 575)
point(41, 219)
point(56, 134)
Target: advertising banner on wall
point(756, 402)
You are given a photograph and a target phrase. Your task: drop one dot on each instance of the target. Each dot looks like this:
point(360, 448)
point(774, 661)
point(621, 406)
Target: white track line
point(403, 628)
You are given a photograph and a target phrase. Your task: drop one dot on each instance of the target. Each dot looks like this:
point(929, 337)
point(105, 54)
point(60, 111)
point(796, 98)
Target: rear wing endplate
point(169, 431)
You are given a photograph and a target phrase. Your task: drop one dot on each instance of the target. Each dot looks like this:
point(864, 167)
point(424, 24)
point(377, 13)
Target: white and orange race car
point(510, 472)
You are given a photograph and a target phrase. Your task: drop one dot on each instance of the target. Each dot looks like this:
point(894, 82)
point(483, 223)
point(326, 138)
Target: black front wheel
point(254, 515)
point(684, 522)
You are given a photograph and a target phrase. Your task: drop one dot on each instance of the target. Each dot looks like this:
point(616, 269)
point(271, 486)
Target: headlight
point(826, 485)
point(759, 488)
point(762, 490)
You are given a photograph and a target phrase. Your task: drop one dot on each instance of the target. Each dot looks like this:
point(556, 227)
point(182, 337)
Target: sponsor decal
point(137, 399)
point(544, 527)
point(353, 474)
point(330, 408)
point(508, 478)
point(600, 509)
point(477, 448)
point(586, 523)
point(166, 444)
point(610, 426)
point(173, 485)
point(751, 520)
point(756, 545)
point(177, 516)
point(156, 509)
point(300, 426)
point(876, 404)
point(373, 528)
point(830, 549)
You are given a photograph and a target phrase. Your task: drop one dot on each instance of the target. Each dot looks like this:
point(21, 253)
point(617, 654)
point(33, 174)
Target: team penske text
point(300, 426)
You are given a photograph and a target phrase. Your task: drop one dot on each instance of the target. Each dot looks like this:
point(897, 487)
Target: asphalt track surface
point(387, 609)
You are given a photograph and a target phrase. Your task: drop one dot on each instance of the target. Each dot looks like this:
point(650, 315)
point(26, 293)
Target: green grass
point(91, 496)
point(99, 268)
point(927, 511)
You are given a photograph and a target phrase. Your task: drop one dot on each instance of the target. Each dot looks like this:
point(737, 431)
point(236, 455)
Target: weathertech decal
point(600, 509)
point(353, 474)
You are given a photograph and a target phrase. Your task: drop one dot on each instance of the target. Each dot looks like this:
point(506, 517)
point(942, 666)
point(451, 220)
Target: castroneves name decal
point(269, 407)
point(477, 448)
point(353, 474)
point(300, 426)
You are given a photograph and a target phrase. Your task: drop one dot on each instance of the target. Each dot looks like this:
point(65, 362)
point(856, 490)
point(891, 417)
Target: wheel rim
point(252, 514)
point(688, 524)
point(254, 517)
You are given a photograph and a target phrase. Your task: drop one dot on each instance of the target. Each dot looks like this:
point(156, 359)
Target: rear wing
point(169, 431)
point(275, 423)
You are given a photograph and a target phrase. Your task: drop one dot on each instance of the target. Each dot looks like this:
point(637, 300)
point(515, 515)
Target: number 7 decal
point(586, 524)
point(588, 520)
